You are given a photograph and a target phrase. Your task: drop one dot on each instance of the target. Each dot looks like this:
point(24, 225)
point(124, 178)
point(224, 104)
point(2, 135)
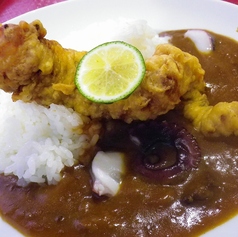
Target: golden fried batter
point(37, 69)
point(32, 66)
point(220, 119)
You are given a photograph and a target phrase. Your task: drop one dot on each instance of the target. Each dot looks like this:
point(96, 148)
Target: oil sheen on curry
point(149, 203)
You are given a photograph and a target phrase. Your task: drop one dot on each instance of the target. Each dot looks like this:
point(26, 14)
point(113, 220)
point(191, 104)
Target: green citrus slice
point(110, 72)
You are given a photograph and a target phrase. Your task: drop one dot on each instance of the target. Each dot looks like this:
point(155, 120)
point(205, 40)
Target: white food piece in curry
point(201, 39)
point(107, 171)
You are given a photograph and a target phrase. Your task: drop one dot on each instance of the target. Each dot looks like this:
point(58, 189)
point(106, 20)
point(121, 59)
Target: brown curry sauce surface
point(207, 198)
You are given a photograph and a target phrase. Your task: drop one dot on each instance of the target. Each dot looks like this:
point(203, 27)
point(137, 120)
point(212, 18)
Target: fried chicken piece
point(214, 121)
point(32, 67)
point(41, 70)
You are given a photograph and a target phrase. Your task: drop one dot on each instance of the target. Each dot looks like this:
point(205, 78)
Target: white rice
point(135, 32)
point(37, 142)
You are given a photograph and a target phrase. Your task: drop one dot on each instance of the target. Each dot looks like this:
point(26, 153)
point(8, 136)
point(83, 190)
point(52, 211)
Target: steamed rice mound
point(38, 142)
point(132, 31)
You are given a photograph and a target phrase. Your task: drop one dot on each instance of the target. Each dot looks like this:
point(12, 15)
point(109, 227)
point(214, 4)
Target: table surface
point(12, 8)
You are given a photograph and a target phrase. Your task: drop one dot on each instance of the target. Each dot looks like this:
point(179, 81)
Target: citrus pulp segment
point(110, 72)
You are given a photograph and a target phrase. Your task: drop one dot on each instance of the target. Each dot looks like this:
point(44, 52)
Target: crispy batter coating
point(34, 68)
point(37, 69)
point(220, 119)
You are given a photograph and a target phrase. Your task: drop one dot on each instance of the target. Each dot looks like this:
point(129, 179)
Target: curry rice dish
point(181, 177)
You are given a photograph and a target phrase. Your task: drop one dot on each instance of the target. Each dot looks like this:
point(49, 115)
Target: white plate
point(63, 18)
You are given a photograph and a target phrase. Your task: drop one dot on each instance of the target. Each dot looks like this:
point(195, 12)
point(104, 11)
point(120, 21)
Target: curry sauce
point(143, 207)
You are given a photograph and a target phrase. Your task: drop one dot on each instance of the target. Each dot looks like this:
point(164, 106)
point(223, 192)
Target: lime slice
point(110, 72)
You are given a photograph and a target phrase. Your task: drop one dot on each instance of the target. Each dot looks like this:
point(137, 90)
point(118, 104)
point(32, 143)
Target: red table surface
point(12, 8)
